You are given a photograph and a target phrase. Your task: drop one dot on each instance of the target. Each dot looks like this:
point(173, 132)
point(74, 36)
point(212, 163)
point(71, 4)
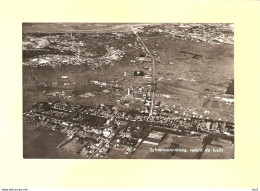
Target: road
point(153, 78)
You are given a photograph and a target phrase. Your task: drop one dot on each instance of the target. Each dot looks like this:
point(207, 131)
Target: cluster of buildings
point(210, 33)
point(62, 49)
point(101, 129)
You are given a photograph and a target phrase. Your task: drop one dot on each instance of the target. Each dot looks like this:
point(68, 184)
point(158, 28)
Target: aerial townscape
point(128, 90)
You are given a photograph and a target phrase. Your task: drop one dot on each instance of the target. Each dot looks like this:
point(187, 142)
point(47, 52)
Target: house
point(103, 84)
point(143, 59)
point(127, 74)
point(66, 83)
point(150, 143)
point(165, 96)
point(95, 82)
point(90, 94)
point(157, 135)
point(42, 61)
point(138, 73)
point(106, 91)
point(54, 83)
point(147, 76)
point(86, 95)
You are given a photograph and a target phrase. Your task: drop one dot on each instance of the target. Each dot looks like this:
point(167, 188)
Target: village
point(95, 131)
point(124, 98)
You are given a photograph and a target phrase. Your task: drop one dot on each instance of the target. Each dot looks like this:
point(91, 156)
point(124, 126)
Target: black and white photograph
point(128, 90)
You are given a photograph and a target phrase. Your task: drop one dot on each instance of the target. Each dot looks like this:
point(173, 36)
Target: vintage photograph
point(128, 90)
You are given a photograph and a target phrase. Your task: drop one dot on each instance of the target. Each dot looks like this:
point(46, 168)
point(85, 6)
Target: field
point(188, 149)
point(42, 143)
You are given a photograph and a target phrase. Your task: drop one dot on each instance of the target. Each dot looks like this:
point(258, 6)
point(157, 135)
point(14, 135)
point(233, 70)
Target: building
point(148, 76)
point(127, 74)
point(138, 73)
point(143, 59)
